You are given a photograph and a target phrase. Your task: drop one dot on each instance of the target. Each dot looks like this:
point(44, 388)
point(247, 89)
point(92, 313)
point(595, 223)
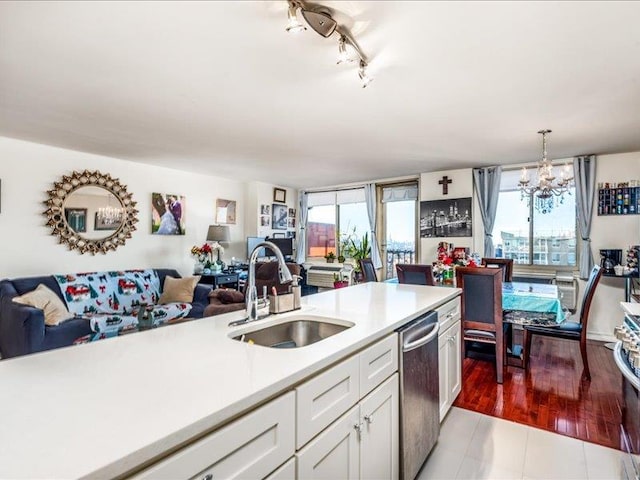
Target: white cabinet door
point(455, 362)
point(450, 365)
point(324, 398)
point(379, 440)
point(443, 366)
point(378, 362)
point(251, 447)
point(285, 472)
point(334, 453)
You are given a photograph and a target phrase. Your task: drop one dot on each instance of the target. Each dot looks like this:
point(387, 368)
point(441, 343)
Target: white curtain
point(584, 170)
point(399, 193)
point(370, 198)
point(487, 183)
point(301, 243)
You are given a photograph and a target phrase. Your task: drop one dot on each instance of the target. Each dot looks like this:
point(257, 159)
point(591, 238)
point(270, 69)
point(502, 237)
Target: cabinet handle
point(208, 476)
point(369, 419)
point(358, 427)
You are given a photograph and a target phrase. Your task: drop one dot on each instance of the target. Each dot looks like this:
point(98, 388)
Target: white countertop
point(103, 408)
point(630, 308)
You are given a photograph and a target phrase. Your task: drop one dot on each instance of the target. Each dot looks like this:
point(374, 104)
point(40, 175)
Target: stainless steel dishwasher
point(419, 392)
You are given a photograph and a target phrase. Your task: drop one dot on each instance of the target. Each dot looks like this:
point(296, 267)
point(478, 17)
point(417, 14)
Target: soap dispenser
point(296, 289)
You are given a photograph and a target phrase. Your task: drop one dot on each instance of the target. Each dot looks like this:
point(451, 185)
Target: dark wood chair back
point(415, 274)
point(505, 264)
point(482, 309)
point(368, 270)
point(569, 330)
point(589, 292)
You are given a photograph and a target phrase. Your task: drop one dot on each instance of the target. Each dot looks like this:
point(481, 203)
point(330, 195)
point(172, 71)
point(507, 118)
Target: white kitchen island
point(105, 408)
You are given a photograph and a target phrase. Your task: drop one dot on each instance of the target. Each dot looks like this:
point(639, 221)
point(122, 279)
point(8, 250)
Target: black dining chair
point(506, 264)
point(368, 270)
point(569, 329)
point(482, 310)
point(415, 274)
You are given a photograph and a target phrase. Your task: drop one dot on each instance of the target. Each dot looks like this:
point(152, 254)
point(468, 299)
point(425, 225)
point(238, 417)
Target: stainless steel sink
point(293, 333)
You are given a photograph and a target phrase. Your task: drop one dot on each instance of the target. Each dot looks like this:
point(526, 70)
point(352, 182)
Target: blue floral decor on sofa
point(112, 301)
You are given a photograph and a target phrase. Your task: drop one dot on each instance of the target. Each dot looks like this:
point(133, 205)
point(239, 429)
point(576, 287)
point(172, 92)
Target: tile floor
point(476, 446)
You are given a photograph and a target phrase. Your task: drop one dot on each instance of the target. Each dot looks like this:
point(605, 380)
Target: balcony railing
point(398, 256)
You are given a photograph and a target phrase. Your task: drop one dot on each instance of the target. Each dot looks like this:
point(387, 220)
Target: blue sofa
point(22, 328)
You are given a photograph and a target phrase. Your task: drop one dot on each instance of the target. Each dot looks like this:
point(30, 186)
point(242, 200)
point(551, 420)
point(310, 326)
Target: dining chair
point(415, 274)
point(569, 329)
point(482, 310)
point(368, 270)
point(506, 264)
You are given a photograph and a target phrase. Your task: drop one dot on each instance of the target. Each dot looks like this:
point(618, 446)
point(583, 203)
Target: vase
point(198, 268)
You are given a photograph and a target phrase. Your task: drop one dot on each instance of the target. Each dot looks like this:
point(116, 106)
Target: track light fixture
point(321, 22)
point(294, 24)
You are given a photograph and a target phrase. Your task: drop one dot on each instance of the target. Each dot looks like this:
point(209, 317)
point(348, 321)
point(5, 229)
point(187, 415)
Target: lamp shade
point(218, 233)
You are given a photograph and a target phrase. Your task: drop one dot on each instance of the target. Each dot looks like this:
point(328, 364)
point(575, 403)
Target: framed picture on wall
point(445, 218)
point(167, 214)
point(76, 218)
point(278, 235)
point(279, 195)
point(100, 222)
point(279, 217)
point(265, 221)
point(265, 209)
point(226, 212)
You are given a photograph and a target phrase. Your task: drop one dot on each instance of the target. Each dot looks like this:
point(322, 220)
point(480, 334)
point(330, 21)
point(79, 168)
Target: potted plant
point(339, 282)
point(330, 257)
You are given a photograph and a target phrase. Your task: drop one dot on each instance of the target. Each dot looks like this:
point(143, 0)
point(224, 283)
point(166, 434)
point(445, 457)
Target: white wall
point(28, 170)
point(461, 187)
point(612, 231)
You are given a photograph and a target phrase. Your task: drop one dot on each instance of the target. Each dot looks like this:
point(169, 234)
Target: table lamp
point(218, 233)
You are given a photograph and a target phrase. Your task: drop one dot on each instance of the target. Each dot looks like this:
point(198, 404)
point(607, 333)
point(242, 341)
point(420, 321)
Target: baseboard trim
point(601, 337)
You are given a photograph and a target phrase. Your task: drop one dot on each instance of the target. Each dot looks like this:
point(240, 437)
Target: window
point(332, 214)
point(530, 237)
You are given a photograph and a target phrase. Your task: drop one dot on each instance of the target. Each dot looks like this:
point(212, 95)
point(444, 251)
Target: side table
point(218, 280)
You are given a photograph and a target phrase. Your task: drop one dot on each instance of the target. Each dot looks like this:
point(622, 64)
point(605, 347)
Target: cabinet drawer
point(448, 314)
point(251, 447)
point(377, 363)
point(220, 280)
point(324, 398)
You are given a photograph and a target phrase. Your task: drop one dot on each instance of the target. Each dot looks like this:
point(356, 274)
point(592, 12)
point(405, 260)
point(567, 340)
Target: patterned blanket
point(112, 301)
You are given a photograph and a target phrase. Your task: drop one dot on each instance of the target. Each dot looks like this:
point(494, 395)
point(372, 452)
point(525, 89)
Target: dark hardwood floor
point(551, 395)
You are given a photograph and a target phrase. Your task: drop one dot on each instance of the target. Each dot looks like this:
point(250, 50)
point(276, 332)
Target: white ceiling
point(220, 87)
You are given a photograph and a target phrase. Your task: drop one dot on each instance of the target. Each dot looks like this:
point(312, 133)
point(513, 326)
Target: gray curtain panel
point(487, 183)
point(584, 170)
point(301, 240)
point(370, 198)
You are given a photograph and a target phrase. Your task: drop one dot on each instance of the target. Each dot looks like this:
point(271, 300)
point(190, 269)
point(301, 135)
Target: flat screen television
point(251, 244)
point(284, 244)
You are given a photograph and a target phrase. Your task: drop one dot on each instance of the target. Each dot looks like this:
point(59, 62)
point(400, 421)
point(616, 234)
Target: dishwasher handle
point(423, 340)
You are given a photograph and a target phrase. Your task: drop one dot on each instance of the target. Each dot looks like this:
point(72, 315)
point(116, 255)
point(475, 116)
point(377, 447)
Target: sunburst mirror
point(91, 212)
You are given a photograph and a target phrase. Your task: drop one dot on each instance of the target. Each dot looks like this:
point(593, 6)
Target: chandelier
point(110, 215)
point(548, 191)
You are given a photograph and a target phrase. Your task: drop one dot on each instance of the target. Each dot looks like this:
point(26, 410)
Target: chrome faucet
point(251, 295)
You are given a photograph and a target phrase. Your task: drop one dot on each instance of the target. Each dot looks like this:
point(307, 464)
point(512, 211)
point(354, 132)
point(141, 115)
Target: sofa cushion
point(178, 289)
point(230, 296)
point(45, 299)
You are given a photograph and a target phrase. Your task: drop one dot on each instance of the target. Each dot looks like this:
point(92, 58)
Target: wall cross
point(445, 184)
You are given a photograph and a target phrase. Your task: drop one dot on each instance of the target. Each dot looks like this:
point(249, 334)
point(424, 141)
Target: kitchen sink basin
point(295, 332)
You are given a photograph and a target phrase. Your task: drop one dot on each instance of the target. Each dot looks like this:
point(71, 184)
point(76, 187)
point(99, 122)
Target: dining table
point(524, 303)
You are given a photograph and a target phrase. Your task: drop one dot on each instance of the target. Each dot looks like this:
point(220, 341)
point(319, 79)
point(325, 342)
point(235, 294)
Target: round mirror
point(91, 212)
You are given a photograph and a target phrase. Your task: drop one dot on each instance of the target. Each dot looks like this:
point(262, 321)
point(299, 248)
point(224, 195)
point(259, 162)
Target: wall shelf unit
point(619, 201)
